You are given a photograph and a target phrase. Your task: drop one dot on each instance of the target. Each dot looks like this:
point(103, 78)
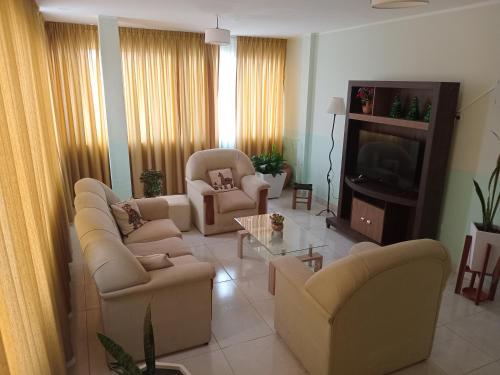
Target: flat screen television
point(391, 160)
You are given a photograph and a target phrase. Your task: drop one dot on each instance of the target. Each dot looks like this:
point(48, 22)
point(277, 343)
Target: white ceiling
point(281, 18)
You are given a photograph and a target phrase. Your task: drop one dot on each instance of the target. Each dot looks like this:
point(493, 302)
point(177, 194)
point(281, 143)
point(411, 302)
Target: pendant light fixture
point(220, 37)
point(393, 4)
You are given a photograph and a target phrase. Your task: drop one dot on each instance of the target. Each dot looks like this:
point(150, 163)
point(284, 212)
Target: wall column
point(112, 78)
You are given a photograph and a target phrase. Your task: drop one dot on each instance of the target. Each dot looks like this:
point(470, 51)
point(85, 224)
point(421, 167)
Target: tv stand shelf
point(378, 191)
point(404, 215)
point(419, 125)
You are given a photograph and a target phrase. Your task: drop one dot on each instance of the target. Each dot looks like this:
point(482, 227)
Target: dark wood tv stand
point(377, 212)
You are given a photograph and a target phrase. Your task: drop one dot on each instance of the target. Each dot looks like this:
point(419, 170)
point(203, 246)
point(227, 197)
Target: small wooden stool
point(308, 188)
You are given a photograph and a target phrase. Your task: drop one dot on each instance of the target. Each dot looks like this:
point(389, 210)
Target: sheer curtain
point(34, 244)
point(227, 95)
point(260, 75)
point(170, 83)
point(78, 102)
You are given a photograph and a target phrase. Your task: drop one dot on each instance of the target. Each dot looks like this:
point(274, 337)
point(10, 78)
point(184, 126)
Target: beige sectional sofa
point(372, 312)
point(180, 296)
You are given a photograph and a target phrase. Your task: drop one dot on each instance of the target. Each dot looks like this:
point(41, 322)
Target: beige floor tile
point(203, 253)
point(232, 326)
point(455, 306)
point(491, 369)
point(79, 342)
point(226, 296)
point(255, 288)
point(212, 346)
point(482, 330)
point(97, 355)
point(264, 356)
point(458, 356)
point(212, 363)
point(240, 268)
point(265, 308)
point(422, 368)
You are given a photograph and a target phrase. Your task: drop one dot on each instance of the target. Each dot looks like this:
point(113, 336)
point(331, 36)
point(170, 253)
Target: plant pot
point(367, 107)
point(480, 239)
point(165, 368)
point(277, 227)
point(276, 183)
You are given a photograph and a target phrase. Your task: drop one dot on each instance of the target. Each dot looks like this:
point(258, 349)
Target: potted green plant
point(153, 182)
point(269, 167)
point(486, 232)
point(277, 221)
point(124, 364)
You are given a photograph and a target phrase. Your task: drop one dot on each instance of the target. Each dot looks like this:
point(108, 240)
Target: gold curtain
point(260, 75)
point(78, 102)
point(170, 83)
point(34, 243)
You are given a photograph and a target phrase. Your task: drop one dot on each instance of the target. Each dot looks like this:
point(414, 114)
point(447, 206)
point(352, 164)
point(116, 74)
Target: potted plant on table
point(365, 95)
point(124, 363)
point(277, 221)
point(269, 167)
point(486, 232)
point(153, 182)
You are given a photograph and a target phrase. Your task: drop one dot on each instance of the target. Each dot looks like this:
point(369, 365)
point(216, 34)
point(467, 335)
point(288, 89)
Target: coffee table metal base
point(310, 258)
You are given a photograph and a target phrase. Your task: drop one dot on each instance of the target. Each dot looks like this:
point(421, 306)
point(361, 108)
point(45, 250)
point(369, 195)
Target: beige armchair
point(373, 312)
point(214, 212)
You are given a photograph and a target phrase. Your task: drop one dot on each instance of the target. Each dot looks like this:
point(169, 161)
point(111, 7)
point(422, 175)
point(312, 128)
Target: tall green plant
point(124, 363)
point(490, 203)
point(269, 163)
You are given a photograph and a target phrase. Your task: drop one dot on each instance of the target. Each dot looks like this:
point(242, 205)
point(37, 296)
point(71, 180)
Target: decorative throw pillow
point(154, 262)
point(222, 179)
point(127, 216)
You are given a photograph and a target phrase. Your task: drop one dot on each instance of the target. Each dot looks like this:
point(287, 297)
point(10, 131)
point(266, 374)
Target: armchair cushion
point(234, 200)
point(153, 231)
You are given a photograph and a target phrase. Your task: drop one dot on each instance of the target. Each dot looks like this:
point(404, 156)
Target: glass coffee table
point(293, 240)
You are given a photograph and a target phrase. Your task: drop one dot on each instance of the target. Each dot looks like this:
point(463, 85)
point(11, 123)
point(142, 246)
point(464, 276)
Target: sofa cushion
point(234, 200)
point(184, 259)
point(153, 231)
point(154, 261)
point(127, 216)
point(173, 247)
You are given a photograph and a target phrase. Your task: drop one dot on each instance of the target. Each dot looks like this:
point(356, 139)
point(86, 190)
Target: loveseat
point(180, 295)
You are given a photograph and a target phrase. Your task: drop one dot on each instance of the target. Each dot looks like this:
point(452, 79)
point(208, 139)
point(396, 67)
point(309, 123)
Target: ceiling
point(280, 18)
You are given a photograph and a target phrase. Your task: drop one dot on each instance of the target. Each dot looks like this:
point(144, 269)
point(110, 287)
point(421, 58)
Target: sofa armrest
point(201, 187)
point(257, 189)
point(168, 277)
point(153, 208)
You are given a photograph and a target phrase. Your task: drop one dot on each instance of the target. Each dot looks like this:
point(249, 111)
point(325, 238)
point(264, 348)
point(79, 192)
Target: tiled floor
point(244, 341)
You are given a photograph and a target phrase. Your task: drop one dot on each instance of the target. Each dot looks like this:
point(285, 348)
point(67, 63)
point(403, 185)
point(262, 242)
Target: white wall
point(461, 46)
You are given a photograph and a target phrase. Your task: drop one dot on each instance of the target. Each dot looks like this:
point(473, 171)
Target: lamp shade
point(217, 36)
point(336, 106)
point(393, 4)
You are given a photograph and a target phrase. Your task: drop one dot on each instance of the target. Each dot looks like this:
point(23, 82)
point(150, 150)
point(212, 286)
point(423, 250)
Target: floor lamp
point(336, 107)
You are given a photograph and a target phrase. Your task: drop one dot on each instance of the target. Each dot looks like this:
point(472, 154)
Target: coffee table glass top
point(292, 239)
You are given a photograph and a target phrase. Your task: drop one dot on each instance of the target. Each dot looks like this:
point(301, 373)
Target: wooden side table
point(296, 199)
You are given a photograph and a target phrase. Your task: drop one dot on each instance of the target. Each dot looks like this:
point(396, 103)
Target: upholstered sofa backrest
point(201, 162)
point(383, 302)
point(94, 186)
point(111, 264)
